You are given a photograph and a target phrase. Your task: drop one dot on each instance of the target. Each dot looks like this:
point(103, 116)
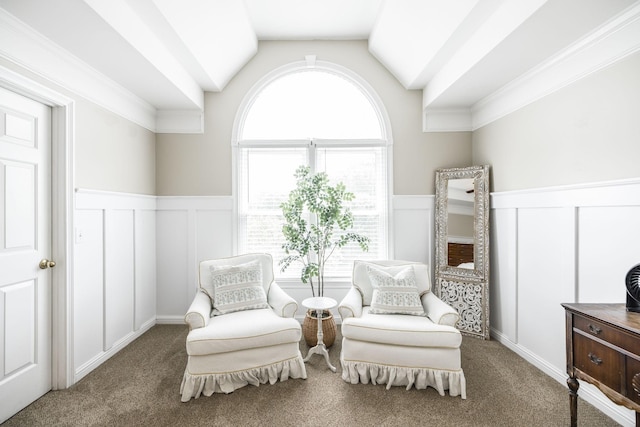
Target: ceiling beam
point(409, 34)
point(219, 36)
point(126, 22)
point(495, 29)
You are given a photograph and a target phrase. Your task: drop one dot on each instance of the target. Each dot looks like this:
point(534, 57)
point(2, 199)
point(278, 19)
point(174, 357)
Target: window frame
point(340, 71)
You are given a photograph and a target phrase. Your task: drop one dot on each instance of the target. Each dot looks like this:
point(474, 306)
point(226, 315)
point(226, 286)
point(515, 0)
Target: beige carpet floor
point(140, 385)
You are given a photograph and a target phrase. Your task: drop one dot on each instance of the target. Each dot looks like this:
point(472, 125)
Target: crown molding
point(30, 50)
point(605, 46)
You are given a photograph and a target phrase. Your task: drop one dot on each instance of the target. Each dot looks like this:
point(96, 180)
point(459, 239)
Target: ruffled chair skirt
point(420, 378)
point(396, 365)
point(196, 383)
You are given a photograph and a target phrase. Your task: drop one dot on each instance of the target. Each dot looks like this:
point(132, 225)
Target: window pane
point(363, 171)
point(266, 180)
point(270, 175)
point(311, 104)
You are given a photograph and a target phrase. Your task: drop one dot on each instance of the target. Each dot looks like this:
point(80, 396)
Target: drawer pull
point(635, 382)
point(594, 330)
point(595, 359)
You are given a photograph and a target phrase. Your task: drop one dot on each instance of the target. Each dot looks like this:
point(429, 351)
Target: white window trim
point(336, 69)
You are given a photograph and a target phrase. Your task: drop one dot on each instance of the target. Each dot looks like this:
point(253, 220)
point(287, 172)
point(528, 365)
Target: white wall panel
point(413, 228)
point(504, 269)
point(88, 291)
point(189, 230)
point(608, 248)
point(145, 267)
point(214, 234)
point(174, 268)
point(119, 275)
point(546, 278)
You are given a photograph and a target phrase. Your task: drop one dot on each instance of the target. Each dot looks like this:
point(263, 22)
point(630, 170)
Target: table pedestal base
point(321, 349)
point(320, 304)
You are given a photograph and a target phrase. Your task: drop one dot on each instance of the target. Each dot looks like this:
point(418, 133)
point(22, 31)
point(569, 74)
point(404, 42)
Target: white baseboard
point(99, 359)
point(170, 320)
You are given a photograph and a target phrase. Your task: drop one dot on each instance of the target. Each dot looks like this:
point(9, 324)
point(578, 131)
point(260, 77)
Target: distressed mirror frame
point(467, 290)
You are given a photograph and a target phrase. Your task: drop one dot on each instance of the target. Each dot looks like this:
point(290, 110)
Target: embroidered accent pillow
point(237, 288)
point(395, 294)
point(362, 282)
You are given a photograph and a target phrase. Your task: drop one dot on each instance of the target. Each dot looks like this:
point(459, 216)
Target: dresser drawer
point(598, 361)
point(607, 333)
point(633, 379)
point(603, 348)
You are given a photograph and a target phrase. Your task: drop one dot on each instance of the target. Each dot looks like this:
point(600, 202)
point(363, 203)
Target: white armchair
point(242, 328)
point(397, 332)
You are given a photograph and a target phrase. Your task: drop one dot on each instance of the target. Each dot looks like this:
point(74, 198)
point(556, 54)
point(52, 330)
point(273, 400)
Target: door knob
point(45, 263)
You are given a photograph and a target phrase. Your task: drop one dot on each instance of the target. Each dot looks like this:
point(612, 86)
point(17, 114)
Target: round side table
point(318, 304)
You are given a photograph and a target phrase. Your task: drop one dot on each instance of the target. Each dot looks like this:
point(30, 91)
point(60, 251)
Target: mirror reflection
point(460, 223)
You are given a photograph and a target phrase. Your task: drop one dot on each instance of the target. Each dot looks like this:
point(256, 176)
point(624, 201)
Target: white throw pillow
point(395, 294)
point(362, 282)
point(236, 288)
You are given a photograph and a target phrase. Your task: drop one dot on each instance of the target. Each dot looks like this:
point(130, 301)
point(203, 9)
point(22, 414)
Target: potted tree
point(316, 224)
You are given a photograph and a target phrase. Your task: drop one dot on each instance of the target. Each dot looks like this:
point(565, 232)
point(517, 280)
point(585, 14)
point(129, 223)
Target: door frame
point(62, 218)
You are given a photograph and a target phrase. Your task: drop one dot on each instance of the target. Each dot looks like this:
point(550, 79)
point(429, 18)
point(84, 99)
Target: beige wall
point(586, 132)
point(111, 153)
point(460, 225)
point(201, 164)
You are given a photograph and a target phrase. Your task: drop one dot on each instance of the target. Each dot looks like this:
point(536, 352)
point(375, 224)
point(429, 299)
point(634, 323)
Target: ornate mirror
point(462, 245)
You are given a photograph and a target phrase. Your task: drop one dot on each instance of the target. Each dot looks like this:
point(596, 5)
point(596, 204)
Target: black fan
point(633, 289)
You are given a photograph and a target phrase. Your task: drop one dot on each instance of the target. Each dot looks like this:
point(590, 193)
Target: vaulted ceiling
point(460, 53)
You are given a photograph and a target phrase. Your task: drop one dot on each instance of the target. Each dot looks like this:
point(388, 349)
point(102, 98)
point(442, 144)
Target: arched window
point(324, 117)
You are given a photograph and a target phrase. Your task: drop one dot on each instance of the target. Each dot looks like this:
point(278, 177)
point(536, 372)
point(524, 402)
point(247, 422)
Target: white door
point(25, 240)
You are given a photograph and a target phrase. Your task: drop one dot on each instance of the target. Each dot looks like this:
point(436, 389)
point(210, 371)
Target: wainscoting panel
point(502, 293)
point(119, 275)
point(115, 271)
point(413, 228)
point(189, 230)
point(88, 292)
point(546, 242)
point(564, 244)
point(145, 267)
point(609, 247)
point(173, 261)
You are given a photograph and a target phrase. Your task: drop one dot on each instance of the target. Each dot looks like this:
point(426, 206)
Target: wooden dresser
point(603, 348)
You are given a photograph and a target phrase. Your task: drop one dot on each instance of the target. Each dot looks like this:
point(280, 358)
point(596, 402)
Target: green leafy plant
point(313, 241)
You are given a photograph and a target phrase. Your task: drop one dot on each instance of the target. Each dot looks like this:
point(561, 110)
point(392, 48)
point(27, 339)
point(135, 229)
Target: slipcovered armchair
point(242, 328)
point(397, 332)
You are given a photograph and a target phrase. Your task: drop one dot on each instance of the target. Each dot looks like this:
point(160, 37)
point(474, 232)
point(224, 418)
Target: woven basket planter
point(310, 328)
